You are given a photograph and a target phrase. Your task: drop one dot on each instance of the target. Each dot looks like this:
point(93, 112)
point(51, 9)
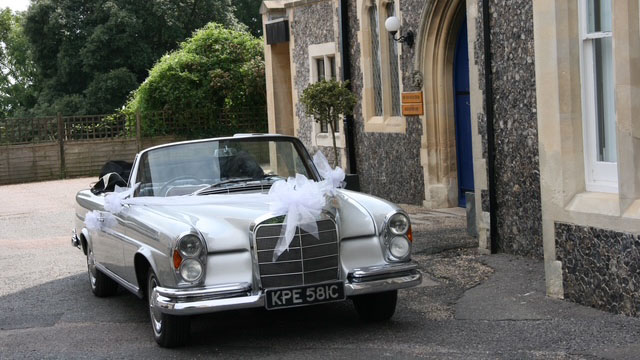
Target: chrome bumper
point(239, 296)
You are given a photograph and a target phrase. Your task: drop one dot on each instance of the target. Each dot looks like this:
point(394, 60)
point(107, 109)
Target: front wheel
point(376, 307)
point(168, 330)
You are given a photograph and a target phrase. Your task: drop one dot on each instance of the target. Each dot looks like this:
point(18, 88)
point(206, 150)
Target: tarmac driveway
point(469, 306)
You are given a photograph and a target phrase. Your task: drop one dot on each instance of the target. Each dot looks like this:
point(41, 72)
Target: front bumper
point(239, 295)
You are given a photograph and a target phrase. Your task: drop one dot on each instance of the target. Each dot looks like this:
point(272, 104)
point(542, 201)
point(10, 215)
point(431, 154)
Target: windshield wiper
point(272, 177)
point(223, 182)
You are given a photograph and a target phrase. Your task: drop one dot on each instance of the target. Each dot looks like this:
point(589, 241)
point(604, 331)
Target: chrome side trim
point(122, 282)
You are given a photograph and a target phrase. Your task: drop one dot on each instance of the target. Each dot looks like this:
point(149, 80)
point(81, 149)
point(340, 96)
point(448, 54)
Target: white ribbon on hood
point(333, 178)
point(301, 201)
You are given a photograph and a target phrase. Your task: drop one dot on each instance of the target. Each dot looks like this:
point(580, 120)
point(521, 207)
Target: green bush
point(216, 70)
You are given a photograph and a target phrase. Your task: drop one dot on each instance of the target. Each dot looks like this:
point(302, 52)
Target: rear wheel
point(101, 284)
point(376, 307)
point(168, 330)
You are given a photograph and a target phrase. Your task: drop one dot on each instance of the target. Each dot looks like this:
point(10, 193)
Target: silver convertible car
point(199, 227)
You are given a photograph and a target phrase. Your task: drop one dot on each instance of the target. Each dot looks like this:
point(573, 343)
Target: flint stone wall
point(312, 24)
point(388, 163)
point(517, 166)
point(601, 268)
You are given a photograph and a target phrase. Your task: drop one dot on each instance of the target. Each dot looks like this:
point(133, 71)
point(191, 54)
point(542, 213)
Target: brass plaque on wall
point(412, 97)
point(412, 109)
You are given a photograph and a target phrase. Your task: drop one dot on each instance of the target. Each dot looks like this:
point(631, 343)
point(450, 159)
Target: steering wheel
point(165, 188)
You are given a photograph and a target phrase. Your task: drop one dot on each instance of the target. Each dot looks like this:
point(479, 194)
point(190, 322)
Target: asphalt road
point(469, 306)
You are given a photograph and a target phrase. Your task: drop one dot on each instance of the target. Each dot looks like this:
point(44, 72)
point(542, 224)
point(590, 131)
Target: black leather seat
point(108, 183)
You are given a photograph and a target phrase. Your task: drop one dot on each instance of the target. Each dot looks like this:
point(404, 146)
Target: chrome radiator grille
point(308, 261)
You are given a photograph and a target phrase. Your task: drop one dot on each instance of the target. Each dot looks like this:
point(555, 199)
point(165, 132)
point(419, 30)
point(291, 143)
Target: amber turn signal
point(410, 234)
point(177, 259)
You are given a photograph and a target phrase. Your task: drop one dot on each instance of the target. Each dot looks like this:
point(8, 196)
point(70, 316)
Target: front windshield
point(213, 167)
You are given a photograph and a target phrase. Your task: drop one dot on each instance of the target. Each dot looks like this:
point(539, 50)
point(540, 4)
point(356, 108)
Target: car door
point(107, 249)
point(132, 241)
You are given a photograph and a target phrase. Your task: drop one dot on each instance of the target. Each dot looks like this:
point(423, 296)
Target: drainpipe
point(346, 76)
point(488, 103)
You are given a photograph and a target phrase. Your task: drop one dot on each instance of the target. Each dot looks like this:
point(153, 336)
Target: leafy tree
point(327, 101)
point(92, 53)
point(17, 70)
point(248, 13)
point(218, 69)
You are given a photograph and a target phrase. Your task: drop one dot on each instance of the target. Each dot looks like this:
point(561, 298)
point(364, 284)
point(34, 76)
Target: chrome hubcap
point(91, 265)
point(156, 315)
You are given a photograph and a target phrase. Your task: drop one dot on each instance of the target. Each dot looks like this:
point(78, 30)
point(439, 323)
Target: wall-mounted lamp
point(392, 24)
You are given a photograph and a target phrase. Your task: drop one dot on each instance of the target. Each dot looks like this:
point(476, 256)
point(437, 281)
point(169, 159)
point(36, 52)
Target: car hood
point(225, 220)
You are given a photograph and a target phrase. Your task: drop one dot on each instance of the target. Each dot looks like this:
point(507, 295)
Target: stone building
point(553, 129)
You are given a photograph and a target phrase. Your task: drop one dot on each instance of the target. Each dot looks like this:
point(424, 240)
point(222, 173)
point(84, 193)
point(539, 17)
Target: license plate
point(303, 295)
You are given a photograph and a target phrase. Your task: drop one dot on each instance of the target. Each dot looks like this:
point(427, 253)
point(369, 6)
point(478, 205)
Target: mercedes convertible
point(197, 228)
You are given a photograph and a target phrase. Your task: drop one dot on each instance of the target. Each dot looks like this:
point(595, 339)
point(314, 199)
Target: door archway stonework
point(436, 43)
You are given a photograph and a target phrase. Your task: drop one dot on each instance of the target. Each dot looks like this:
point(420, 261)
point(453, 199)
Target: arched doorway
point(443, 22)
point(464, 152)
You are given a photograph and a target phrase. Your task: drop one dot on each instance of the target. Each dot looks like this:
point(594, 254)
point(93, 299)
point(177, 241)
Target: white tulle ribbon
point(301, 201)
point(333, 178)
point(114, 202)
point(96, 220)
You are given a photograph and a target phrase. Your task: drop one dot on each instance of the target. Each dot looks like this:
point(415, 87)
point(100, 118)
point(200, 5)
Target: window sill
point(392, 124)
point(324, 139)
point(595, 203)
point(633, 211)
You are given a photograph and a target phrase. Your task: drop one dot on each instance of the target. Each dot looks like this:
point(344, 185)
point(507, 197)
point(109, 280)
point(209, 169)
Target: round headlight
point(190, 246)
point(399, 247)
point(191, 270)
point(399, 224)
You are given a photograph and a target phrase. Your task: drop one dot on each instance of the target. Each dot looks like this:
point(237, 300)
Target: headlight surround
point(191, 270)
point(190, 246)
point(398, 224)
point(399, 247)
point(189, 258)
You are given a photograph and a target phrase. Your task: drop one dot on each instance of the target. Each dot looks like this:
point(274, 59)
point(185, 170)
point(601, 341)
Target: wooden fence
point(72, 146)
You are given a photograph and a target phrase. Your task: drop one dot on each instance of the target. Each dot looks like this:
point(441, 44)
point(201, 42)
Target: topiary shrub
point(327, 101)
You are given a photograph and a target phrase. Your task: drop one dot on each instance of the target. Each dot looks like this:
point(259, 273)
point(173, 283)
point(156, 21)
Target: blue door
point(463, 115)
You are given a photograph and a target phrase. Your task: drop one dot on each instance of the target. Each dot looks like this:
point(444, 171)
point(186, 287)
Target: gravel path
point(35, 233)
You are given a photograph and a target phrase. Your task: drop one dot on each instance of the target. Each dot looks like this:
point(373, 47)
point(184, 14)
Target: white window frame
point(380, 119)
point(599, 176)
point(327, 67)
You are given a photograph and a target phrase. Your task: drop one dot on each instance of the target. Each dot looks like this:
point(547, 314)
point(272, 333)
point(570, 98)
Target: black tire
point(168, 330)
point(376, 307)
point(101, 284)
